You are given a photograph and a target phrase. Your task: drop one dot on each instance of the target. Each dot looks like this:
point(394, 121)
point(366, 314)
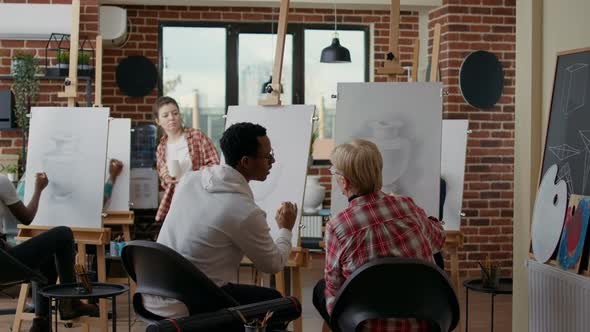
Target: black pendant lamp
point(335, 53)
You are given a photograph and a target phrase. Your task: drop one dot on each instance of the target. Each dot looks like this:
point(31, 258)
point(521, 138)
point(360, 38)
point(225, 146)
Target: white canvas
point(289, 129)
point(69, 144)
point(452, 169)
point(404, 120)
point(119, 147)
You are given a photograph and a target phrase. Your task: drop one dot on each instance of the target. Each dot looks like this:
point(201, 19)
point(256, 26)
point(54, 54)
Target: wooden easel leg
point(81, 254)
point(296, 291)
point(280, 282)
point(126, 233)
point(454, 253)
point(102, 277)
point(20, 307)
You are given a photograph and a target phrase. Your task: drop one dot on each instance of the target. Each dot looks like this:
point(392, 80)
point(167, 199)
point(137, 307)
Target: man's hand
point(41, 182)
point(115, 168)
point(286, 215)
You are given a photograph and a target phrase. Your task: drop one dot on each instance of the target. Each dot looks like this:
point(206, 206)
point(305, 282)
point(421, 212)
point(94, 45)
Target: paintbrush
point(485, 271)
point(266, 318)
point(242, 317)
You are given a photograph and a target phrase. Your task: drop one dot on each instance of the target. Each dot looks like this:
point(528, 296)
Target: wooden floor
point(479, 307)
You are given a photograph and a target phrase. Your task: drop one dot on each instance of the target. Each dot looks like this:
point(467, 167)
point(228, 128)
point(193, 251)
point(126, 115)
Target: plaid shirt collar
point(368, 198)
point(186, 131)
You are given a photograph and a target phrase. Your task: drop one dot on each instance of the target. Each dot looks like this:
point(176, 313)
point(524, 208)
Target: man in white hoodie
point(213, 220)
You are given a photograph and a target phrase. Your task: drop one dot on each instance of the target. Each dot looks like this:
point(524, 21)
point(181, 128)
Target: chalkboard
point(568, 134)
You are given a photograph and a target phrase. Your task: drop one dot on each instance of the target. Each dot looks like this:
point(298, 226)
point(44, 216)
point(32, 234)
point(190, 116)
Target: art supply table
point(476, 285)
point(71, 291)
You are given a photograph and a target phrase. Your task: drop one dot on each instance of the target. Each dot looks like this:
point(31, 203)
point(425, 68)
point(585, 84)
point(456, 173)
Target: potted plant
point(11, 171)
point(83, 60)
point(63, 59)
point(25, 88)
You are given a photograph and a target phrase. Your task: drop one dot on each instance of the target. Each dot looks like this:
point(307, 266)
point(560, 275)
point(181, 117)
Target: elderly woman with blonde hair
point(374, 225)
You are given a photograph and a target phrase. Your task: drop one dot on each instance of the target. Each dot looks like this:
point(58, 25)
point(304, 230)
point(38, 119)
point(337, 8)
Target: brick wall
point(466, 26)
point(10, 140)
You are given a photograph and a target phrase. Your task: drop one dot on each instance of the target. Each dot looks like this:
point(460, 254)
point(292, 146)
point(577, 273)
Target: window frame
point(233, 29)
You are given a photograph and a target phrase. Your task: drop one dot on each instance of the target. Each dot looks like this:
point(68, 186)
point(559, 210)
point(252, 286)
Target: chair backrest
point(398, 288)
point(14, 271)
point(159, 270)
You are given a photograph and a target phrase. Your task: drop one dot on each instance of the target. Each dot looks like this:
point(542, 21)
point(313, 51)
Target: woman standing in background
point(180, 150)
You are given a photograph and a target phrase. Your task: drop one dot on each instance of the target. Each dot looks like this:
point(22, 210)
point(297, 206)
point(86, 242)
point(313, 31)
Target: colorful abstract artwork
point(574, 233)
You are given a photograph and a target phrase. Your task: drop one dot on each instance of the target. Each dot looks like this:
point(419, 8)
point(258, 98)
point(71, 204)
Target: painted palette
point(574, 231)
point(548, 215)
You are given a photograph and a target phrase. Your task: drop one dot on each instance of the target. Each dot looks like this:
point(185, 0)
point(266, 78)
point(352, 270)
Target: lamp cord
point(335, 19)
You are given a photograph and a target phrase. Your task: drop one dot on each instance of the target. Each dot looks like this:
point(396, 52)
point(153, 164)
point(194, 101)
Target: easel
point(299, 257)
point(82, 236)
point(454, 239)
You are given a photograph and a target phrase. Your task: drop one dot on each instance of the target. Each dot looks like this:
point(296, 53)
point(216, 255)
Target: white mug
point(174, 168)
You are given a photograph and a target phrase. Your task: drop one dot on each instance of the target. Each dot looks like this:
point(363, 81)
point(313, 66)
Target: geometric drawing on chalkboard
point(585, 135)
point(565, 174)
point(564, 151)
point(573, 235)
point(573, 93)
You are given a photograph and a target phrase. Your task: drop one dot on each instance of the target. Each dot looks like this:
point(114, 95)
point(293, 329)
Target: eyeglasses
point(334, 171)
point(271, 156)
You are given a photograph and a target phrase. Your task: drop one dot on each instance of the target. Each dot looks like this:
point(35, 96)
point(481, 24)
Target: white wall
point(543, 28)
point(565, 27)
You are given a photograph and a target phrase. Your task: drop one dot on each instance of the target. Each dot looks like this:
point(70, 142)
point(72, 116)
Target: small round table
point(71, 291)
point(504, 287)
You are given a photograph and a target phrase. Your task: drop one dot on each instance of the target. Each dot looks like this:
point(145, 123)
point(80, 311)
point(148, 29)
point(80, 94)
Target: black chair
point(159, 270)
point(399, 288)
point(14, 272)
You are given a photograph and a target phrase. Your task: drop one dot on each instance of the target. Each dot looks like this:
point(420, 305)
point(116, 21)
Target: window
point(208, 66)
point(195, 76)
point(255, 63)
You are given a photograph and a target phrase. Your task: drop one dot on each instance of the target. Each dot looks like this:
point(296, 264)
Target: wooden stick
point(98, 73)
point(394, 28)
point(196, 111)
point(415, 60)
point(71, 89)
point(392, 66)
point(435, 53)
point(275, 96)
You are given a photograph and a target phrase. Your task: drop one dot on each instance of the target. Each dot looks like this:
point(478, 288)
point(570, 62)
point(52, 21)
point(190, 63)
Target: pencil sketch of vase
point(60, 164)
point(394, 149)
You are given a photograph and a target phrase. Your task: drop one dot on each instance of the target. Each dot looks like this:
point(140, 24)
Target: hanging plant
point(25, 87)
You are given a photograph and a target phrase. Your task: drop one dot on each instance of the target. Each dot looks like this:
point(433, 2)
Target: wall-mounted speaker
point(6, 109)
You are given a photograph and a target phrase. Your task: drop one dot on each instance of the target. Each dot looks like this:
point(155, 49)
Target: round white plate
point(548, 215)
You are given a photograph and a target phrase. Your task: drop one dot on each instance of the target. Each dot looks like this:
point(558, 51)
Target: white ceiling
point(349, 4)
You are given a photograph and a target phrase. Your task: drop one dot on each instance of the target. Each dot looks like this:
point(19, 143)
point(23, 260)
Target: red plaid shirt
point(373, 226)
point(202, 152)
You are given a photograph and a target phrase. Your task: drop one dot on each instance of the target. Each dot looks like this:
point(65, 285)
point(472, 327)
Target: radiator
point(559, 301)
point(312, 226)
